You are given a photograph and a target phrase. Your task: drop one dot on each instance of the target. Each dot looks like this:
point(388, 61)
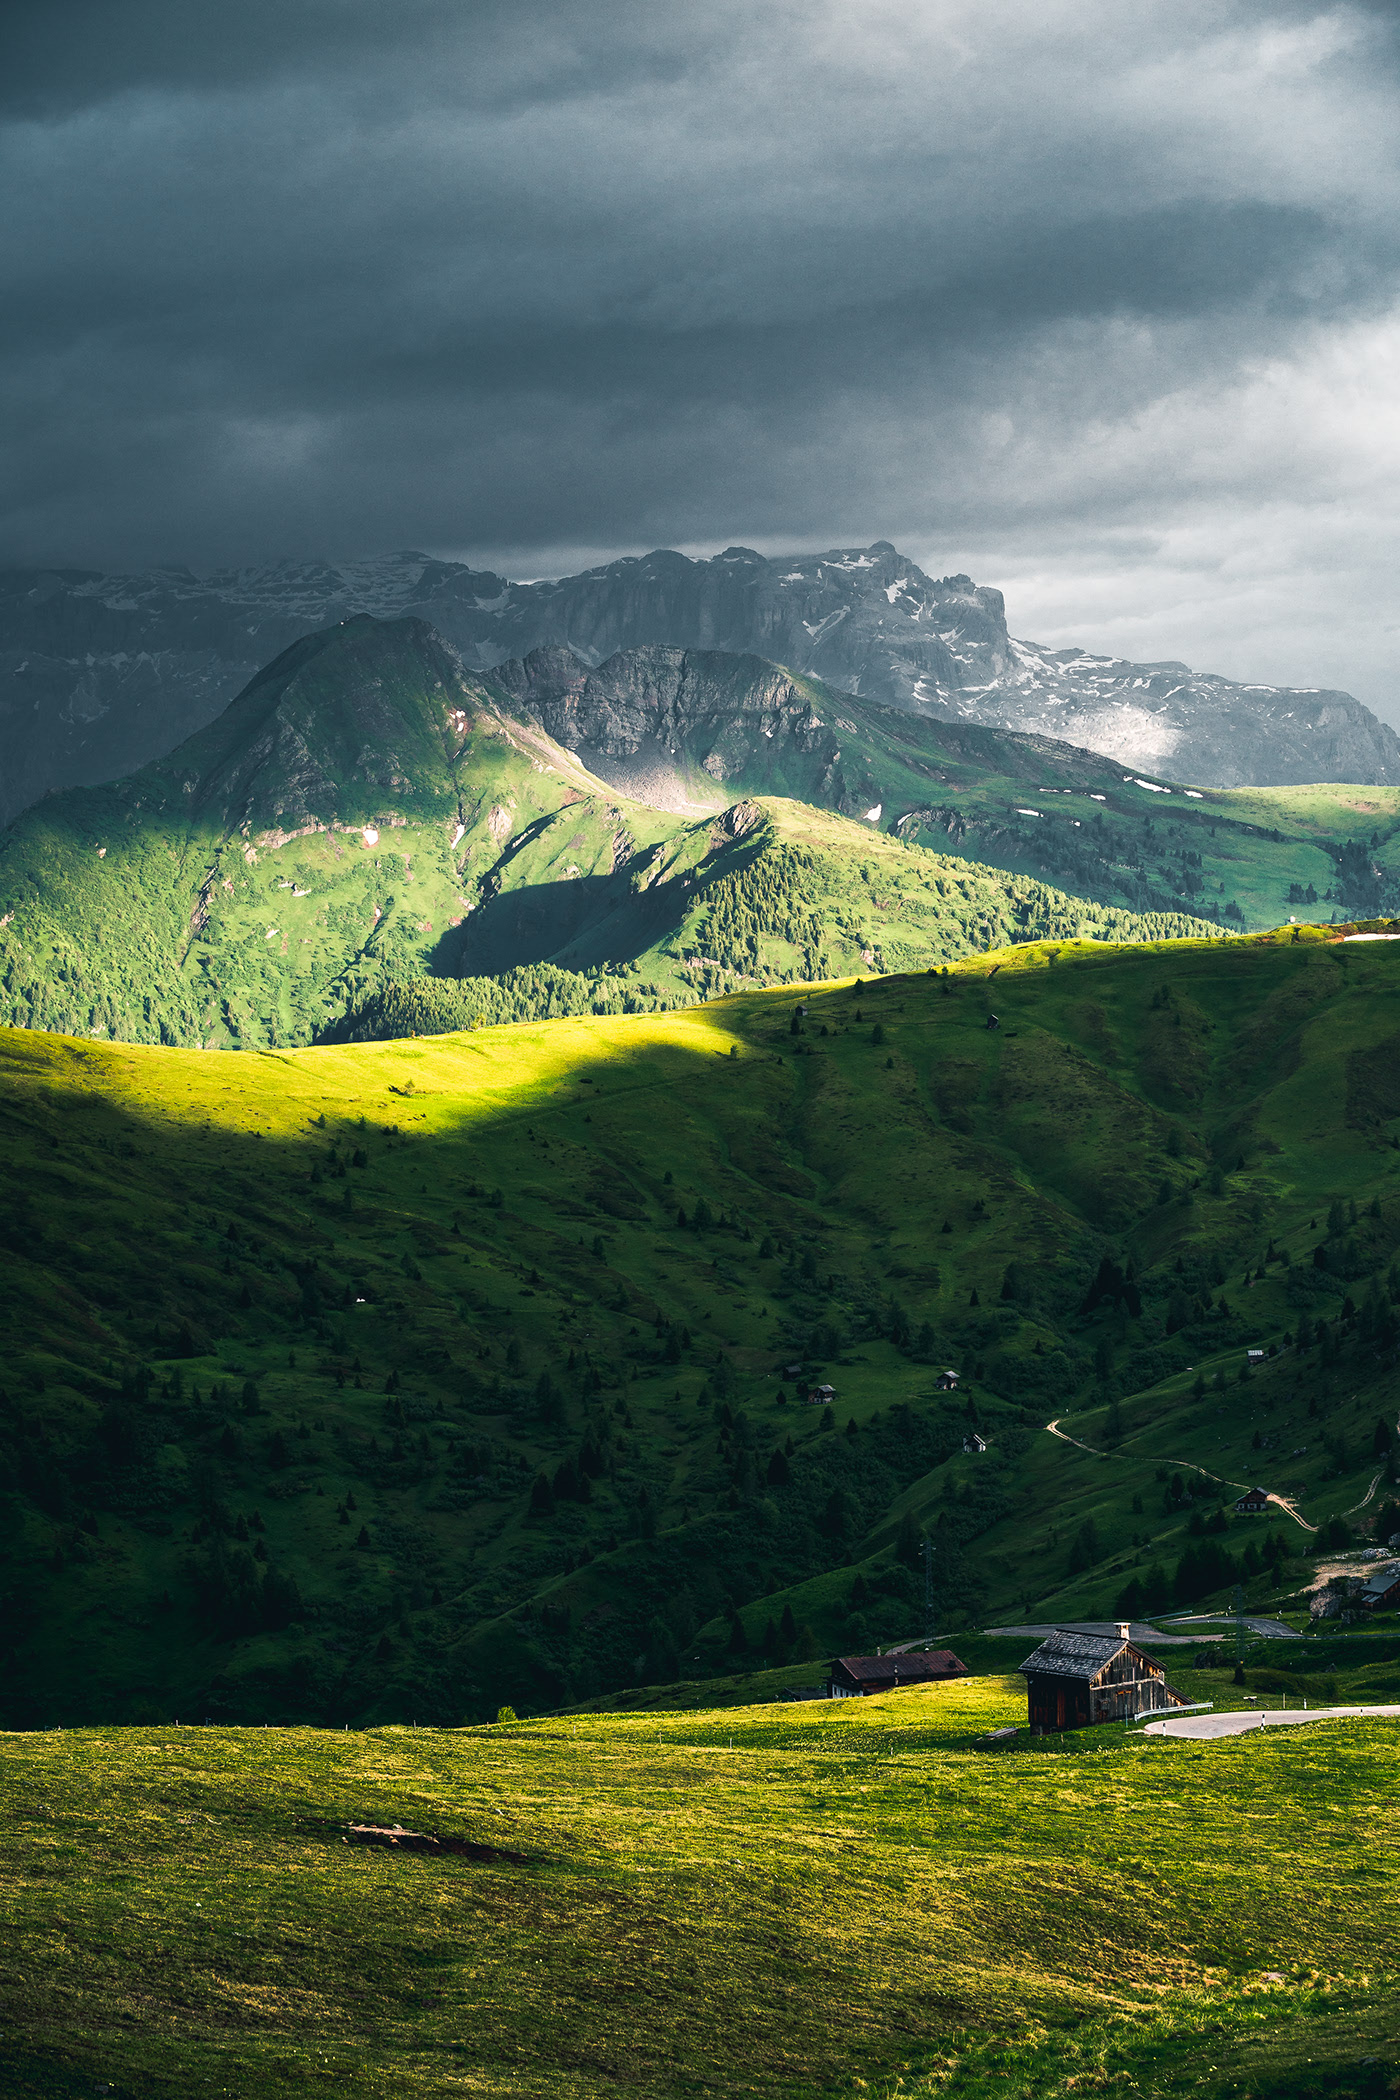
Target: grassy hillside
point(402, 1379)
point(368, 841)
point(768, 893)
point(1249, 858)
point(802, 1901)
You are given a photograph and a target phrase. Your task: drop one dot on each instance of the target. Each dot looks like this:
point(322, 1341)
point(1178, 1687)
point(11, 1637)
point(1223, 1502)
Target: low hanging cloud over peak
point(1097, 303)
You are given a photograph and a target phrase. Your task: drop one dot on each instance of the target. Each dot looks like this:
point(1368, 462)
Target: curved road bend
point(1065, 1438)
point(1206, 1728)
point(1189, 1464)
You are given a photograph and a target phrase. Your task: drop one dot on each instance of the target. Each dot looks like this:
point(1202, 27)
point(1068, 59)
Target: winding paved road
point(1267, 1629)
point(1208, 1728)
point(1144, 1634)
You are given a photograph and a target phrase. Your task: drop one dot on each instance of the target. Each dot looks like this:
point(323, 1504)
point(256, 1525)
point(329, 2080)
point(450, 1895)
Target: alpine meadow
point(402, 1385)
point(379, 1361)
point(699, 1052)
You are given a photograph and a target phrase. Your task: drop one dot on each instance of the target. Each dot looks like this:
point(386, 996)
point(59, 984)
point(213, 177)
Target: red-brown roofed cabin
point(855, 1676)
point(1075, 1680)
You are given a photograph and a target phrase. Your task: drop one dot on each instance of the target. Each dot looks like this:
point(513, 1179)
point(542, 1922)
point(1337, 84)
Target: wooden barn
point(1075, 1680)
point(857, 1676)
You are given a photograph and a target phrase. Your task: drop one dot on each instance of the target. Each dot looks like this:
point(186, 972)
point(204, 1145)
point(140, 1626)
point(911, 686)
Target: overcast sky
point(1095, 299)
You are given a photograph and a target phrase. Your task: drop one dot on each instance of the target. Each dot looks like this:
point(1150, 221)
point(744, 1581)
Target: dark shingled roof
point(903, 1669)
point(1073, 1654)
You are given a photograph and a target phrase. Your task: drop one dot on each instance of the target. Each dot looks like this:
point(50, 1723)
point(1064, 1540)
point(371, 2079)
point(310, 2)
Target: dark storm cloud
point(61, 55)
point(517, 281)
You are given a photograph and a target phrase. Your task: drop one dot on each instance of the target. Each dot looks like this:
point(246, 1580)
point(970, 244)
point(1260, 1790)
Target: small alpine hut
point(1382, 1589)
point(858, 1676)
point(1254, 1503)
point(1075, 1680)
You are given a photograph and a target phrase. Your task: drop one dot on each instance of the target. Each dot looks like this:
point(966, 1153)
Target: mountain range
point(369, 826)
point(374, 839)
point(101, 673)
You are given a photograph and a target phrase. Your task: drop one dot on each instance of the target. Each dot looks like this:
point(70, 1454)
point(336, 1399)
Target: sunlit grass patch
point(777, 1900)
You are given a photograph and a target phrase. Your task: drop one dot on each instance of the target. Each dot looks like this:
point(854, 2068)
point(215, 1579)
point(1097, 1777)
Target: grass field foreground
point(797, 1901)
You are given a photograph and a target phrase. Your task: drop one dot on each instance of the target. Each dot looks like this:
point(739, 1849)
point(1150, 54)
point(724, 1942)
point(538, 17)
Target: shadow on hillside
point(239, 1282)
point(576, 925)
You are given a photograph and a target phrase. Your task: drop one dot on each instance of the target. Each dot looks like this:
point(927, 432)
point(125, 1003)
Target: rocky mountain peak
point(549, 674)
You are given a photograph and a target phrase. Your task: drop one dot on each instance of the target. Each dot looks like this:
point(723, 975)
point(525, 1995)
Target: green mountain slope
point(365, 815)
point(766, 893)
point(366, 821)
point(330, 827)
point(400, 1379)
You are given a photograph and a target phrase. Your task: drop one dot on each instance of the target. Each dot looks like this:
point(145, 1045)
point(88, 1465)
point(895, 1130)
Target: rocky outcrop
point(864, 619)
point(100, 673)
point(671, 727)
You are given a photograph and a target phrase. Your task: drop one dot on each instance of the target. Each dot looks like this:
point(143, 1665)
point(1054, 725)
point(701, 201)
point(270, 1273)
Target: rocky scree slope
point(100, 673)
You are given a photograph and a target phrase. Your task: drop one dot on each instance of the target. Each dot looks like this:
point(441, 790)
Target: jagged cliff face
point(864, 619)
point(675, 727)
point(98, 674)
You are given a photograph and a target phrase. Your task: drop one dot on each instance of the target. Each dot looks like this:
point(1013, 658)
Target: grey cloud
point(510, 282)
